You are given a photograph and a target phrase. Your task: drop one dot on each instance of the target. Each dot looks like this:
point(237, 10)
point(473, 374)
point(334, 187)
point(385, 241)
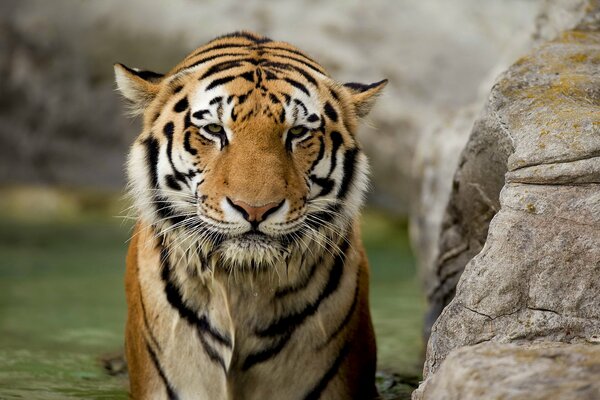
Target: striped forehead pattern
point(260, 77)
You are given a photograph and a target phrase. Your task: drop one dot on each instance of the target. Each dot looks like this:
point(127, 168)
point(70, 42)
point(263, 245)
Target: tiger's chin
point(251, 251)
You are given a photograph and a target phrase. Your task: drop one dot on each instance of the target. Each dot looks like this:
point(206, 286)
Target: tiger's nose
point(254, 214)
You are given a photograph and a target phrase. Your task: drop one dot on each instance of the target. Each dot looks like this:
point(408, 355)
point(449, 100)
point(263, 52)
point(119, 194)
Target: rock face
point(446, 231)
point(533, 164)
point(543, 371)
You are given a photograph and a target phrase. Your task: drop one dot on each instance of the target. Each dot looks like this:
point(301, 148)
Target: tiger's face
point(248, 151)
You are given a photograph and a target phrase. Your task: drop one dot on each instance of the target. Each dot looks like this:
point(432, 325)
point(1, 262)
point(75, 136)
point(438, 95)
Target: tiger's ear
point(137, 86)
point(364, 96)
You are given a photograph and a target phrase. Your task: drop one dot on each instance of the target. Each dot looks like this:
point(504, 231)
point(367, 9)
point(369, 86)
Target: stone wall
point(459, 189)
point(533, 164)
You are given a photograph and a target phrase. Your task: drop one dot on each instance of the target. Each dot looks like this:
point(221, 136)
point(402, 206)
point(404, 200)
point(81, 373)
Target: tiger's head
point(248, 151)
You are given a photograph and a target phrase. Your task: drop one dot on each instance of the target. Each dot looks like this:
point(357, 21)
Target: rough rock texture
point(61, 122)
point(533, 163)
point(544, 371)
point(449, 221)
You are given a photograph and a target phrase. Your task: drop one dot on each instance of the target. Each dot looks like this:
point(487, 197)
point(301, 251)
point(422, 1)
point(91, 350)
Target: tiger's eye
point(214, 128)
point(297, 130)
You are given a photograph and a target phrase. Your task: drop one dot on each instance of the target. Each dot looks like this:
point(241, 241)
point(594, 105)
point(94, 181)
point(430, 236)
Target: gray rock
point(532, 162)
point(549, 83)
point(543, 371)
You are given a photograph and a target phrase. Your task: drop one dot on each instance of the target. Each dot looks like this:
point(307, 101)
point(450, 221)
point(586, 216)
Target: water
point(62, 305)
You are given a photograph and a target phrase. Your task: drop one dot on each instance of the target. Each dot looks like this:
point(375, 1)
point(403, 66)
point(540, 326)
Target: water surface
point(62, 304)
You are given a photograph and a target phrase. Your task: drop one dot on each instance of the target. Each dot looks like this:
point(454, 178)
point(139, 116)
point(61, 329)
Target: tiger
point(246, 277)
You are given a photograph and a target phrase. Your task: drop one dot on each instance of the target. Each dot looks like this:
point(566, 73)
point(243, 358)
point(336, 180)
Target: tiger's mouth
point(252, 238)
point(252, 248)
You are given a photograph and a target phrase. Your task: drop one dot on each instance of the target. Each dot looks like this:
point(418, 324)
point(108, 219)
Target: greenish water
point(62, 304)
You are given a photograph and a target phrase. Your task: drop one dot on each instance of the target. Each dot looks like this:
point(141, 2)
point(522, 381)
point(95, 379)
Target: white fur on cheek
point(139, 181)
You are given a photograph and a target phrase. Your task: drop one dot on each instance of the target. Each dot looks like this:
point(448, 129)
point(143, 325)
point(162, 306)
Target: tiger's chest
point(240, 337)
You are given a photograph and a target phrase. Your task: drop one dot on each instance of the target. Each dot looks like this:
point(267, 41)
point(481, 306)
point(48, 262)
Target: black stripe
point(361, 87)
point(187, 121)
point(320, 155)
point(248, 75)
point(273, 98)
point(187, 145)
point(312, 118)
point(220, 67)
point(347, 317)
point(265, 354)
point(282, 116)
point(297, 84)
point(177, 89)
point(213, 57)
point(349, 171)
point(241, 99)
point(215, 100)
point(336, 142)
point(172, 182)
point(175, 298)
point(299, 61)
point(312, 64)
point(334, 94)
point(220, 81)
point(152, 152)
point(298, 286)
point(325, 183)
point(169, 130)
point(217, 47)
point(212, 353)
point(317, 391)
point(288, 323)
point(286, 67)
point(301, 104)
point(181, 105)
point(171, 394)
point(200, 114)
point(271, 76)
point(145, 75)
point(163, 207)
point(330, 112)
point(165, 210)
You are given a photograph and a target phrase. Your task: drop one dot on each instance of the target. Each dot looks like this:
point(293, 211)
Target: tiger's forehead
point(243, 76)
point(233, 79)
point(247, 47)
point(249, 95)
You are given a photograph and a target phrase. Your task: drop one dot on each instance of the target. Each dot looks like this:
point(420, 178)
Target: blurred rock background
point(61, 122)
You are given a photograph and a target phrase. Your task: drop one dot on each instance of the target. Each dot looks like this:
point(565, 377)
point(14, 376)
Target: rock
point(543, 371)
point(449, 233)
point(531, 163)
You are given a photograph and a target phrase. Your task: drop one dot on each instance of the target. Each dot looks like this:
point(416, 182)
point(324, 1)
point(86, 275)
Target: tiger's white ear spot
point(364, 96)
point(138, 87)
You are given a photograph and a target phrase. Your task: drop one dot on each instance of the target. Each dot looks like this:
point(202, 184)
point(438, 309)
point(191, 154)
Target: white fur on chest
point(240, 307)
